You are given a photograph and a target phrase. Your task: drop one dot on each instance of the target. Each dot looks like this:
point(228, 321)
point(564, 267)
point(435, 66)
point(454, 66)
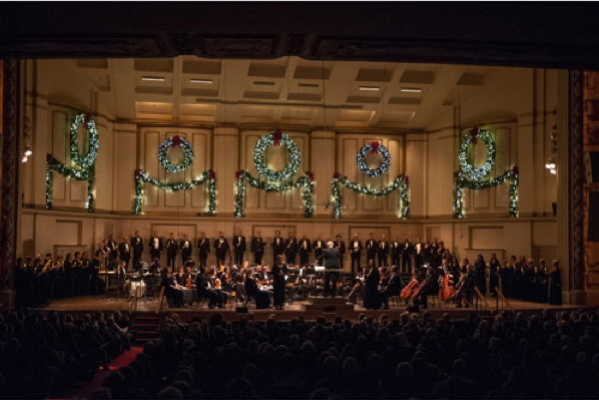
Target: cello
point(406, 292)
point(445, 290)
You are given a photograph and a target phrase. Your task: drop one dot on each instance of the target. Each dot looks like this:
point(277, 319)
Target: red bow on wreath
point(336, 176)
point(137, 173)
point(276, 137)
point(406, 180)
point(374, 147)
point(212, 175)
point(310, 175)
point(239, 174)
point(474, 132)
point(515, 170)
point(456, 174)
point(176, 141)
point(87, 118)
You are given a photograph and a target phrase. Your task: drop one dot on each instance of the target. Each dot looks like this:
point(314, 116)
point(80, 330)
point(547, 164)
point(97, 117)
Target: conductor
point(331, 258)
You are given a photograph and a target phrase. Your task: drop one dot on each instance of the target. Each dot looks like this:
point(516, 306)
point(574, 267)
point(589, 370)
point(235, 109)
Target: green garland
point(142, 177)
point(275, 139)
point(400, 183)
point(306, 181)
point(175, 141)
point(469, 177)
point(86, 163)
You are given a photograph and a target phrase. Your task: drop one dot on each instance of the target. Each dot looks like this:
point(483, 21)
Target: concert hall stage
point(146, 305)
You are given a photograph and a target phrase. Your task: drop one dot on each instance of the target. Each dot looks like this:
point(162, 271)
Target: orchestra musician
point(383, 251)
point(171, 289)
point(261, 298)
point(318, 245)
point(331, 257)
point(204, 291)
point(239, 248)
point(291, 249)
point(446, 281)
point(172, 248)
point(278, 246)
point(185, 249)
point(393, 287)
point(494, 268)
point(305, 248)
point(355, 249)
point(340, 245)
point(156, 246)
point(125, 252)
point(221, 247)
point(278, 286)
point(113, 249)
point(465, 293)
point(203, 249)
point(138, 248)
point(257, 248)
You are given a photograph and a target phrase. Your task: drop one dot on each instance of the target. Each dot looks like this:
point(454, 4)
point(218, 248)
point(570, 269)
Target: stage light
point(411, 90)
point(153, 78)
point(205, 81)
point(371, 88)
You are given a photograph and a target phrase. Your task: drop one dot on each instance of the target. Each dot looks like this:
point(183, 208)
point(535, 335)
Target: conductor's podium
point(327, 304)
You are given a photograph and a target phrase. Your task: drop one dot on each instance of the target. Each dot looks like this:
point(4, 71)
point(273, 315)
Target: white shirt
point(305, 245)
point(156, 243)
point(126, 247)
point(355, 245)
point(186, 244)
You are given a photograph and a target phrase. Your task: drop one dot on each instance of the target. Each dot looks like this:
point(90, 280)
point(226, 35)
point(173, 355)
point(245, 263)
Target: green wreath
point(175, 141)
point(470, 171)
point(374, 148)
point(84, 160)
point(275, 139)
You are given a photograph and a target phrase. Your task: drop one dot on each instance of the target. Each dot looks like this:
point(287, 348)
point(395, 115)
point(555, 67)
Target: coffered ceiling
point(287, 91)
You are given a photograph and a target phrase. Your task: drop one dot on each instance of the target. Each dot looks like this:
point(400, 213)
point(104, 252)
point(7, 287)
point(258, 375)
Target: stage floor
point(103, 303)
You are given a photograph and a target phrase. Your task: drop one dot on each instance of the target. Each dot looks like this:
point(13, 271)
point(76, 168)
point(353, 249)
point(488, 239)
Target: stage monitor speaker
point(593, 227)
point(241, 310)
point(328, 309)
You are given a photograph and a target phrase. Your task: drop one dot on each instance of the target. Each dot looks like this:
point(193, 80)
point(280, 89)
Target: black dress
point(494, 278)
point(372, 298)
point(479, 276)
point(278, 288)
point(555, 288)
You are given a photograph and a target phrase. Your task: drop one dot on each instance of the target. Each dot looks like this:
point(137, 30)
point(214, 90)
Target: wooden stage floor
point(103, 303)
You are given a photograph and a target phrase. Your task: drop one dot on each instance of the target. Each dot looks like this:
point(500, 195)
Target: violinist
point(393, 288)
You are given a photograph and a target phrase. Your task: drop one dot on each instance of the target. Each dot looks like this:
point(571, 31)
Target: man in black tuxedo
point(318, 246)
point(418, 253)
point(138, 247)
point(305, 248)
point(258, 247)
point(204, 249)
point(278, 246)
point(393, 288)
point(125, 252)
point(291, 249)
point(331, 257)
point(221, 246)
point(204, 291)
point(407, 253)
point(396, 250)
point(172, 248)
point(186, 249)
point(340, 245)
point(383, 252)
point(371, 248)
point(239, 248)
point(156, 246)
point(355, 249)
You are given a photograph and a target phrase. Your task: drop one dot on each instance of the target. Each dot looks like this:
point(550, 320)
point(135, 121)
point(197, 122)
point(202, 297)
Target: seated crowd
point(42, 354)
point(509, 356)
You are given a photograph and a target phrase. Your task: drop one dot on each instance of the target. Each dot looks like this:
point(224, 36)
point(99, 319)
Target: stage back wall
point(223, 107)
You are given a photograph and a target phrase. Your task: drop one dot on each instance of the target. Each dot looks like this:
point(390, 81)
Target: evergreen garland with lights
point(401, 184)
point(208, 177)
point(85, 163)
point(470, 177)
point(306, 181)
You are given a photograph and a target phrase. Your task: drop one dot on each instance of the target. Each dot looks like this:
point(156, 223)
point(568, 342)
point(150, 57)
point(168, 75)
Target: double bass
point(445, 290)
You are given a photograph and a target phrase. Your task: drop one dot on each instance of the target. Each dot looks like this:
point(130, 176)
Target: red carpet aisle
point(121, 361)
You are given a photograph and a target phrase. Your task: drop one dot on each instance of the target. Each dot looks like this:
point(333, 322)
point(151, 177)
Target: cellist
point(446, 281)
